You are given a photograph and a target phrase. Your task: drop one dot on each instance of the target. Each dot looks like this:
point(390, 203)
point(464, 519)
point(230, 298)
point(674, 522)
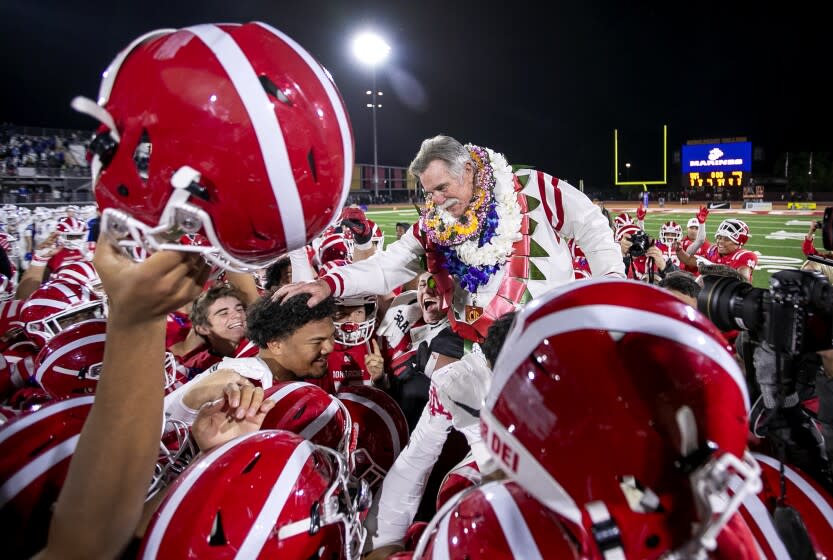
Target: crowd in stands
point(44, 153)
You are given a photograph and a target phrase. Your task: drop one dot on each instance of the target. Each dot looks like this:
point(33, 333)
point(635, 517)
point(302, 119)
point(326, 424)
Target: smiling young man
point(294, 342)
point(218, 319)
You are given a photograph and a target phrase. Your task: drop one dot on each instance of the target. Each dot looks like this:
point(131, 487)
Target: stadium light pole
point(372, 50)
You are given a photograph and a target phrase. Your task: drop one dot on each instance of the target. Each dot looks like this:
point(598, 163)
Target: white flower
point(508, 230)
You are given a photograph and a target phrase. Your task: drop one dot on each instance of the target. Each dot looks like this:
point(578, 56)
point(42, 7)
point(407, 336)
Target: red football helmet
point(670, 232)
point(800, 492)
point(382, 431)
point(159, 170)
point(72, 233)
point(70, 363)
point(617, 393)
point(19, 369)
point(496, 520)
point(57, 305)
point(309, 411)
point(80, 272)
point(622, 219)
point(350, 333)
point(625, 230)
point(10, 321)
point(35, 451)
point(266, 494)
point(736, 230)
point(464, 475)
point(333, 247)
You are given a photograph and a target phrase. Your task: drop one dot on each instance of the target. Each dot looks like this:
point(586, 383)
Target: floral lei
point(479, 242)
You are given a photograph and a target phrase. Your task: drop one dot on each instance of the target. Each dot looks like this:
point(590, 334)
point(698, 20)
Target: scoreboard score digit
point(700, 179)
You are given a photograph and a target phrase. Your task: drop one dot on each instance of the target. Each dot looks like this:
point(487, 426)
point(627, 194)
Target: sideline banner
point(719, 206)
point(801, 206)
point(757, 205)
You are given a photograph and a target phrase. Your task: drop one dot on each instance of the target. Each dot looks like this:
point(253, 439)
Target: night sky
point(546, 87)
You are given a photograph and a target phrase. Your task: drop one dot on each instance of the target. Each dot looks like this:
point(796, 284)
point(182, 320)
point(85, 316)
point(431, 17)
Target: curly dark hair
point(269, 320)
point(496, 336)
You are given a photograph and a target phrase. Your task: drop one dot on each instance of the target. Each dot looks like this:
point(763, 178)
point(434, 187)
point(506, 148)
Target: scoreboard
point(716, 164)
point(699, 179)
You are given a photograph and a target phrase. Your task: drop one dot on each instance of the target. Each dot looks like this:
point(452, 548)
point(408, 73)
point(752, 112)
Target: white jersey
point(404, 484)
point(560, 212)
point(251, 368)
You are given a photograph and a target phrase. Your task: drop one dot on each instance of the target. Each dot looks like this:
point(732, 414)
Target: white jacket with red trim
point(558, 210)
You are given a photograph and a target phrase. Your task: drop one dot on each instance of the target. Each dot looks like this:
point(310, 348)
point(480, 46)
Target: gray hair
point(443, 148)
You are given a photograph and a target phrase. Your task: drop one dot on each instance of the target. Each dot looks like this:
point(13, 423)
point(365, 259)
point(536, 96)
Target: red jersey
point(701, 252)
point(737, 259)
point(177, 327)
point(201, 358)
point(346, 365)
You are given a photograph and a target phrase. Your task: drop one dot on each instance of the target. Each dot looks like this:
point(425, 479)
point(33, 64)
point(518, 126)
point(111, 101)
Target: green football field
point(776, 236)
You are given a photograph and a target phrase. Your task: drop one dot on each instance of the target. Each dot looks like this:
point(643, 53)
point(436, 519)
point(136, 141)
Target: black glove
point(355, 220)
point(361, 231)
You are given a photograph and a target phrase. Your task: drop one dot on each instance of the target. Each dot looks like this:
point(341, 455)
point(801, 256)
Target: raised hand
point(374, 362)
point(702, 214)
point(641, 212)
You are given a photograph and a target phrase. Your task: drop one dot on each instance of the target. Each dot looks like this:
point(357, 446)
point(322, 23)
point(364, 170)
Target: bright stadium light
point(372, 50)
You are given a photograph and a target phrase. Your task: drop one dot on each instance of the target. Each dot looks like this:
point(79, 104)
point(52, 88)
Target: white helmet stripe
point(335, 101)
point(322, 420)
point(811, 493)
point(26, 421)
point(515, 530)
point(24, 477)
point(613, 318)
point(380, 412)
point(275, 502)
point(760, 517)
point(266, 126)
point(441, 551)
point(172, 502)
point(535, 479)
point(64, 350)
point(285, 390)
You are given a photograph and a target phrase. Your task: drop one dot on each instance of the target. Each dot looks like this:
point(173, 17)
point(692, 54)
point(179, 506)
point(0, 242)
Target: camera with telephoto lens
point(640, 242)
point(794, 316)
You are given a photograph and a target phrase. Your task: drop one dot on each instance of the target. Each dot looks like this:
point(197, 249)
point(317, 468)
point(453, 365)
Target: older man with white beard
point(493, 238)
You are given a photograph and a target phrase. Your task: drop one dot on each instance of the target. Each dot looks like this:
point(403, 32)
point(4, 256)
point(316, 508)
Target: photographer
point(786, 337)
point(807, 247)
point(643, 260)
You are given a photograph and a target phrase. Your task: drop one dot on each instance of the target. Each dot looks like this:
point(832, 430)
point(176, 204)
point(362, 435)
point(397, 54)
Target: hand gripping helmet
point(71, 361)
point(72, 233)
point(382, 431)
point(309, 411)
point(35, 452)
point(80, 272)
point(268, 494)
point(736, 230)
point(55, 306)
point(349, 333)
point(496, 520)
point(642, 430)
point(232, 131)
point(670, 232)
